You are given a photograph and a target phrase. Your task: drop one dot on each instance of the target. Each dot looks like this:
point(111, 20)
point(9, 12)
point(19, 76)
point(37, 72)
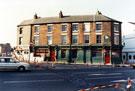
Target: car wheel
point(21, 68)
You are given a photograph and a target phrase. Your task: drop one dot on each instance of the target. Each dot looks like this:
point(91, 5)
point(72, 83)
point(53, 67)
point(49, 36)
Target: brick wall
point(81, 33)
point(42, 34)
point(69, 32)
point(56, 34)
point(107, 29)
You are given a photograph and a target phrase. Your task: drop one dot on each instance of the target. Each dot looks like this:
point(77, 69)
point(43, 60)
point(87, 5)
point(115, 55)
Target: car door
point(2, 63)
point(10, 64)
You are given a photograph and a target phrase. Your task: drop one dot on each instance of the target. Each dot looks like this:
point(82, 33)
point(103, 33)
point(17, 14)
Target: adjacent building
point(128, 52)
point(5, 49)
point(81, 39)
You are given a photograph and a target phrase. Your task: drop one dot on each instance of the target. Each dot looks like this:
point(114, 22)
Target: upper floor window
point(116, 27)
point(86, 39)
point(75, 39)
point(49, 40)
point(86, 27)
point(98, 27)
point(99, 38)
point(20, 40)
point(116, 39)
point(36, 29)
point(49, 28)
point(64, 28)
point(75, 28)
point(63, 39)
point(21, 31)
point(36, 40)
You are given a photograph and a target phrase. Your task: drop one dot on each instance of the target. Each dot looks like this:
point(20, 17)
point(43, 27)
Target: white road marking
point(33, 81)
point(87, 72)
point(38, 74)
point(105, 74)
point(133, 80)
point(119, 81)
point(104, 77)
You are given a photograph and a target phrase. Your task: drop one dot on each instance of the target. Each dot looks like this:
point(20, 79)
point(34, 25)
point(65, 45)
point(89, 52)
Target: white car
point(9, 63)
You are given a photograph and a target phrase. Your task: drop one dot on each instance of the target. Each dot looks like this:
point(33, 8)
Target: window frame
point(63, 28)
point(98, 40)
point(21, 31)
point(63, 53)
point(115, 40)
point(134, 57)
point(85, 28)
point(20, 40)
point(36, 42)
point(75, 55)
point(49, 42)
point(97, 27)
point(75, 29)
point(130, 57)
point(116, 27)
point(85, 39)
point(124, 57)
point(63, 39)
point(74, 39)
point(36, 31)
point(50, 26)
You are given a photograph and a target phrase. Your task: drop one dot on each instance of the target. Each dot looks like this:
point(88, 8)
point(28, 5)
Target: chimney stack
point(35, 16)
point(60, 14)
point(98, 12)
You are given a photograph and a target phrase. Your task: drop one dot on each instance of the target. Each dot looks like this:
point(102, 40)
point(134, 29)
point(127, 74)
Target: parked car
point(8, 63)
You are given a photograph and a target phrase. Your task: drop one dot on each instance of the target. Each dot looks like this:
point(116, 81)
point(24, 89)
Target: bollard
point(52, 66)
point(129, 84)
point(74, 63)
point(87, 64)
point(113, 65)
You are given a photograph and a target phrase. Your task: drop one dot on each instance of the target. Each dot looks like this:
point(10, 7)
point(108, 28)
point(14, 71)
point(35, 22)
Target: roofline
point(65, 22)
point(132, 23)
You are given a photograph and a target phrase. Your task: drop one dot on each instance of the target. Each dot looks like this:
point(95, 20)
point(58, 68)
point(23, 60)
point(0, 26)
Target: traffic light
point(31, 48)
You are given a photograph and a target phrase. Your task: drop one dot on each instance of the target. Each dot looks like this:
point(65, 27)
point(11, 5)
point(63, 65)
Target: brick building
point(5, 49)
point(81, 39)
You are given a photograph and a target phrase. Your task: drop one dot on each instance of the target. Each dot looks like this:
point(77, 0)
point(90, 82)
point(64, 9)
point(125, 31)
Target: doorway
point(107, 57)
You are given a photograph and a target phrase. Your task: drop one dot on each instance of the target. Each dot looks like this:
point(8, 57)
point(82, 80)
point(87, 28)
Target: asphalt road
point(65, 78)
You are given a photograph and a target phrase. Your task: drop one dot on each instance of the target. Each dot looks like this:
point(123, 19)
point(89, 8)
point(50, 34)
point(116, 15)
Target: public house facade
point(81, 39)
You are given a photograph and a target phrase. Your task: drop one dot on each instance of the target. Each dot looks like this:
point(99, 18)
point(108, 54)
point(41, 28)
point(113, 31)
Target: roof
point(68, 19)
point(132, 23)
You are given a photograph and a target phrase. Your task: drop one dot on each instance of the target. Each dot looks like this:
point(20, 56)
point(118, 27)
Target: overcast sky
point(13, 12)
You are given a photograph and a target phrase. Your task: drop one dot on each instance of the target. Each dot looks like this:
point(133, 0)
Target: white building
point(128, 52)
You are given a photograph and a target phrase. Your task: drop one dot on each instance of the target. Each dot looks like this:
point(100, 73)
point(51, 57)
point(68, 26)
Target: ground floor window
point(41, 52)
point(134, 57)
point(74, 53)
point(96, 53)
point(115, 53)
point(130, 57)
point(124, 57)
point(63, 53)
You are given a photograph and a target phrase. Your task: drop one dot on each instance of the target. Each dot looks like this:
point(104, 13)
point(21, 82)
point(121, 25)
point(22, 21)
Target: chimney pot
point(35, 16)
point(60, 14)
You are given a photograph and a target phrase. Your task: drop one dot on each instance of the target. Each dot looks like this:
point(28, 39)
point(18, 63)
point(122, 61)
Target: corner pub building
point(94, 39)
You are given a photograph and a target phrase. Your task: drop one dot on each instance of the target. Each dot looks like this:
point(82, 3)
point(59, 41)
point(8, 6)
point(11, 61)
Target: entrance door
point(53, 56)
point(107, 57)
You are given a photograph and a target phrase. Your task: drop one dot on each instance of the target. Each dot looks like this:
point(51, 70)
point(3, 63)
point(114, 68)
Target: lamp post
point(30, 49)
